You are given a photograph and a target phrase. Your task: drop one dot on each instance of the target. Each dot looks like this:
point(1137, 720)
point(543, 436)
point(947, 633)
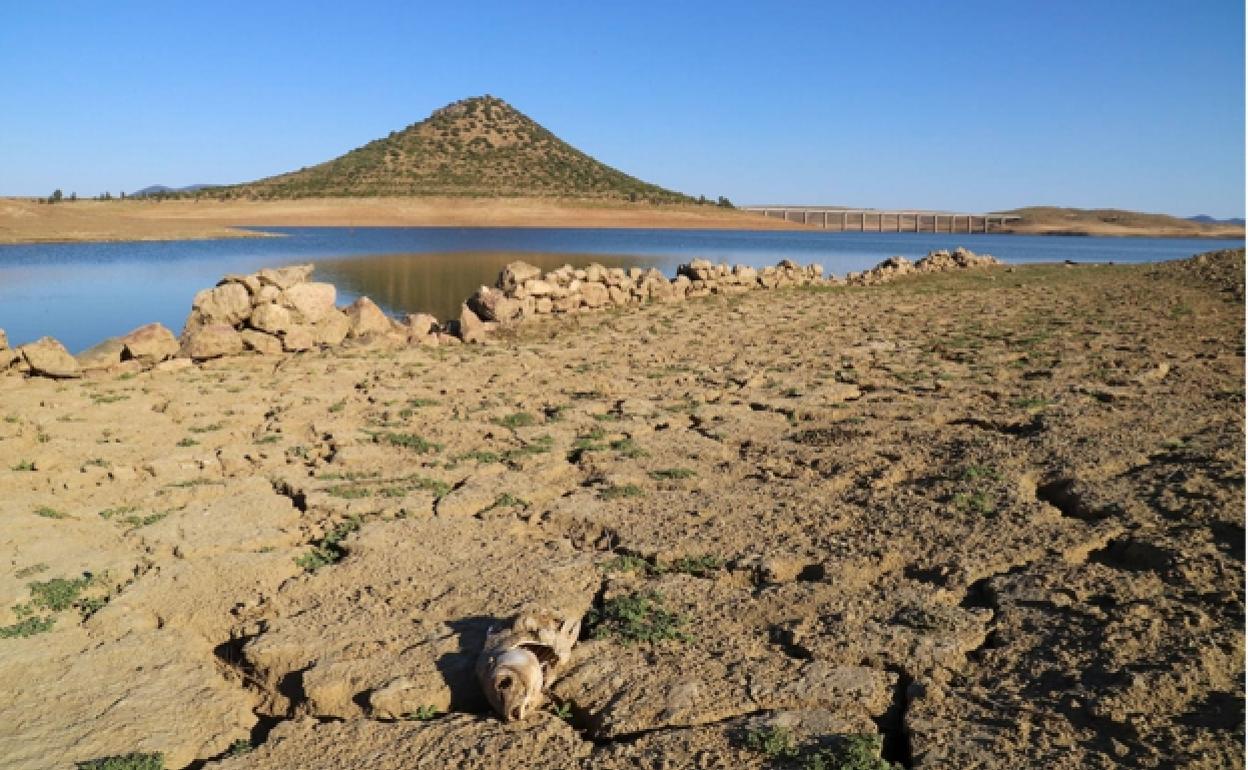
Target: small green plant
point(269, 438)
point(408, 441)
point(517, 420)
point(337, 406)
point(50, 513)
point(108, 398)
point(630, 563)
point(626, 447)
point(620, 491)
point(57, 594)
point(976, 502)
point(637, 617)
point(422, 713)
point(698, 566)
point(24, 465)
point(847, 752)
point(33, 569)
point(672, 474)
point(188, 442)
point(328, 550)
point(133, 761)
point(771, 742)
point(562, 711)
point(28, 626)
point(205, 428)
point(1030, 403)
point(240, 747)
point(977, 472)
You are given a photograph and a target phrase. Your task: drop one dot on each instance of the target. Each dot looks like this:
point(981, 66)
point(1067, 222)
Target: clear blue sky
point(955, 105)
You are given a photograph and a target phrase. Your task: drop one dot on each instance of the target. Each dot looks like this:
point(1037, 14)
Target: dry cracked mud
point(994, 518)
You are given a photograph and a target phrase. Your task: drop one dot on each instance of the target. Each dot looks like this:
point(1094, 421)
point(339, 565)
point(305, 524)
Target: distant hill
point(1208, 220)
point(1056, 220)
point(160, 189)
point(475, 147)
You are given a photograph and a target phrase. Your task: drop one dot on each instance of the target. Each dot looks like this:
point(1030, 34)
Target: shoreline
point(25, 222)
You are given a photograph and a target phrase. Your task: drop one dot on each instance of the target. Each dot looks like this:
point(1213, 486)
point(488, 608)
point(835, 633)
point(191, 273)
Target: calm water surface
point(82, 293)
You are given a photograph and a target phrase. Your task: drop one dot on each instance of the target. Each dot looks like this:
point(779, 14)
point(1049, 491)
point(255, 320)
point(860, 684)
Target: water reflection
point(438, 282)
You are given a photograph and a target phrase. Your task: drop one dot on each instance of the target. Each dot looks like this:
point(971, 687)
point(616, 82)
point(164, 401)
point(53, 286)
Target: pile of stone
point(280, 310)
point(144, 348)
point(935, 262)
point(523, 291)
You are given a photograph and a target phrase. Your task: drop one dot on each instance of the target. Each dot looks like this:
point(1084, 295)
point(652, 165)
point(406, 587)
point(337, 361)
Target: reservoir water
point(82, 293)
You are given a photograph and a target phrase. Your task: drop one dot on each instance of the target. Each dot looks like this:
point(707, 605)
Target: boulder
point(264, 344)
point(538, 288)
point(471, 327)
point(250, 282)
point(271, 318)
point(266, 294)
point(285, 277)
point(48, 357)
point(420, 324)
point(312, 301)
point(543, 305)
point(333, 328)
point(102, 357)
point(150, 344)
point(617, 295)
point(366, 318)
point(596, 273)
point(595, 294)
point(299, 338)
point(516, 274)
point(228, 303)
point(212, 341)
point(494, 305)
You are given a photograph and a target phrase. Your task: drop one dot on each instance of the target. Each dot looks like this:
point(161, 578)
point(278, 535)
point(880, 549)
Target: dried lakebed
point(992, 517)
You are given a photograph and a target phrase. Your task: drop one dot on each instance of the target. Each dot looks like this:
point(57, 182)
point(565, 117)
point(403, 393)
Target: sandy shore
point(23, 221)
point(990, 519)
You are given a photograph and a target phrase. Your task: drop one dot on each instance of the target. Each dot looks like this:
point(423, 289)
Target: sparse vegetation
point(517, 420)
point(133, 761)
point(422, 713)
point(637, 617)
point(329, 550)
point(408, 441)
point(50, 513)
point(620, 491)
point(664, 474)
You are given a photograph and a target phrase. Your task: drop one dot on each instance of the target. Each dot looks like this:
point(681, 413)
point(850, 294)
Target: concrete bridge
point(864, 220)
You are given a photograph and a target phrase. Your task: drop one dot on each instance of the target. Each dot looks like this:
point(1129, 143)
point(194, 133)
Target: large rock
point(212, 341)
point(332, 329)
point(313, 301)
point(285, 277)
point(494, 305)
point(48, 357)
point(367, 319)
point(299, 338)
point(595, 294)
point(265, 344)
point(150, 344)
point(516, 274)
point(271, 318)
point(101, 357)
point(471, 327)
point(228, 303)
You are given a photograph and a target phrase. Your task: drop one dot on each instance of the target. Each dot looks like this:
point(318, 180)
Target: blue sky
point(954, 105)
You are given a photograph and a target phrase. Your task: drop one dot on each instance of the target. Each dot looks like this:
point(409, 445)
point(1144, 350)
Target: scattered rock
point(150, 344)
point(212, 341)
point(49, 358)
point(367, 319)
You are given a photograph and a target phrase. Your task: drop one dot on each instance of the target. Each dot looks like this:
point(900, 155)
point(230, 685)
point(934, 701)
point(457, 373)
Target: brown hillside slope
point(474, 147)
point(1055, 220)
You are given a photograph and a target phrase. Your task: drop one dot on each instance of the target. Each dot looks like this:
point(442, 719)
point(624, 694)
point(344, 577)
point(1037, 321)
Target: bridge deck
point(827, 216)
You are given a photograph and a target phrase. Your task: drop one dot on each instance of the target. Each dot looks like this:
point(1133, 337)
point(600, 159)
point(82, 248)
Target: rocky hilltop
point(475, 147)
point(951, 518)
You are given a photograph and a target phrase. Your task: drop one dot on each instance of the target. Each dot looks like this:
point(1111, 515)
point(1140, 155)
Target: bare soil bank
point(992, 517)
point(23, 221)
point(1055, 220)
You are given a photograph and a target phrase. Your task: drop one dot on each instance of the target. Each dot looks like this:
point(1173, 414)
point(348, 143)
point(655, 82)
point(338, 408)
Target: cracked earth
point(994, 518)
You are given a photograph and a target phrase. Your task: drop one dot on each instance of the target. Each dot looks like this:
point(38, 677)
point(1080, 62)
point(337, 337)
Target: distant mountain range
point(1208, 220)
point(160, 189)
point(475, 147)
